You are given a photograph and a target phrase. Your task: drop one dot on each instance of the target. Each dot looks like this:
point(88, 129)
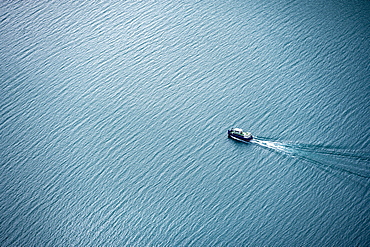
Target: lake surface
point(114, 119)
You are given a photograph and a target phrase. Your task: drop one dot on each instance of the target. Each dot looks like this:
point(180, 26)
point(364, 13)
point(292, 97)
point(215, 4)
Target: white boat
point(239, 135)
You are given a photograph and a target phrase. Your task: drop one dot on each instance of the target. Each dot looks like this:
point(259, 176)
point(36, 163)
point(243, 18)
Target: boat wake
point(352, 162)
point(277, 146)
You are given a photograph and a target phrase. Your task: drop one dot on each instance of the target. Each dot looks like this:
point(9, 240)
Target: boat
point(239, 135)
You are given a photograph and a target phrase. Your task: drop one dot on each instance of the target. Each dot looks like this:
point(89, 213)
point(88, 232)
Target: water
point(114, 119)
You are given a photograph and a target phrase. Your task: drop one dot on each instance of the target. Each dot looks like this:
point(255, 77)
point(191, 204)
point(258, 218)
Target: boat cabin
point(237, 131)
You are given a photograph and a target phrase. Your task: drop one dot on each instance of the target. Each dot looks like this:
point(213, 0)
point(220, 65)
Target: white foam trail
point(273, 145)
point(313, 157)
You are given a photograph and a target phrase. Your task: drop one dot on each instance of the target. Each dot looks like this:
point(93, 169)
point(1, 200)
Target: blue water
point(114, 119)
